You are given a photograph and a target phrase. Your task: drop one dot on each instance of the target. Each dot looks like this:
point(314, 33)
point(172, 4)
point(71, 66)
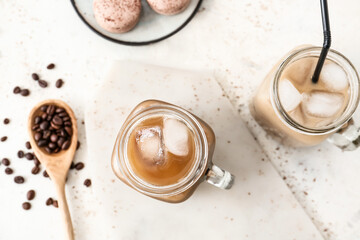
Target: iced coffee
point(164, 151)
point(302, 113)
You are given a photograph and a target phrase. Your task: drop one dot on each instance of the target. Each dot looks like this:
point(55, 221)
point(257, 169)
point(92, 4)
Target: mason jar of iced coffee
point(164, 152)
point(302, 113)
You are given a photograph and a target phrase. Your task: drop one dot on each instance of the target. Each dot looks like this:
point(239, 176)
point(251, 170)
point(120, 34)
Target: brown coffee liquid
point(150, 158)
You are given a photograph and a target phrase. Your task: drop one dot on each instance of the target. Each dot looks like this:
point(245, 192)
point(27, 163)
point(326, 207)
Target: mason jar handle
point(347, 138)
point(219, 177)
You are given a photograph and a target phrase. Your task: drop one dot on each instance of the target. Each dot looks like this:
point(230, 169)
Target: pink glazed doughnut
point(117, 16)
point(168, 7)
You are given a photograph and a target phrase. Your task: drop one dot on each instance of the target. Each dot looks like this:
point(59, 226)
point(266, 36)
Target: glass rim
point(340, 121)
point(192, 176)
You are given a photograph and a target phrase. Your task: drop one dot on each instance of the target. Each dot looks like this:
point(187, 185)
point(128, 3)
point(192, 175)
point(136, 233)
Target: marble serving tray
point(259, 206)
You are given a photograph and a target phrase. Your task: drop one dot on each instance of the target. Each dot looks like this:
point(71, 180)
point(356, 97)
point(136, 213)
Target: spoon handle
point(65, 214)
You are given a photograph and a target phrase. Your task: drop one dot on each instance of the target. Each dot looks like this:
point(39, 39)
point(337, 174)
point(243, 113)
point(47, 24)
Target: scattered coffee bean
point(87, 182)
point(28, 145)
point(77, 145)
point(55, 203)
point(19, 179)
point(49, 202)
point(3, 139)
point(50, 66)
point(35, 76)
point(17, 90)
point(25, 92)
point(59, 83)
point(79, 166)
point(35, 170)
point(45, 174)
point(20, 154)
point(36, 161)
point(29, 156)
point(72, 165)
point(26, 205)
point(30, 195)
point(6, 121)
point(43, 83)
point(5, 161)
point(8, 171)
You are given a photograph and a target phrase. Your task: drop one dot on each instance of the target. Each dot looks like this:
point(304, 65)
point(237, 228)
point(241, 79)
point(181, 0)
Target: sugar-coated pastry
point(168, 7)
point(117, 16)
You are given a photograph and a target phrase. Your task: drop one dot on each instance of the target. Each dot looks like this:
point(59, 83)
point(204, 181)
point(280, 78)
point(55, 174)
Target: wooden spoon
point(57, 164)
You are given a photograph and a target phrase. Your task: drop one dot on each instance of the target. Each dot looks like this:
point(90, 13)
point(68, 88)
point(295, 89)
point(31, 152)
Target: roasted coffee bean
point(66, 145)
point(30, 195)
point(28, 145)
point(4, 138)
point(87, 182)
point(46, 134)
point(36, 161)
point(60, 110)
point(78, 145)
point(54, 126)
point(61, 141)
point(55, 203)
point(72, 165)
point(49, 117)
point(44, 116)
point(43, 83)
point(49, 202)
point(26, 205)
point(52, 145)
point(37, 136)
point(69, 130)
point(45, 174)
point(37, 120)
point(48, 150)
point(43, 108)
point(6, 121)
point(35, 127)
point(57, 120)
point(8, 171)
point(57, 150)
point(25, 92)
point(79, 166)
point(44, 125)
point(59, 83)
point(42, 143)
point(17, 90)
point(63, 133)
point(29, 156)
point(5, 161)
point(54, 137)
point(66, 119)
point(35, 170)
point(63, 115)
point(20, 154)
point(50, 110)
point(19, 179)
point(35, 76)
point(50, 66)
point(67, 123)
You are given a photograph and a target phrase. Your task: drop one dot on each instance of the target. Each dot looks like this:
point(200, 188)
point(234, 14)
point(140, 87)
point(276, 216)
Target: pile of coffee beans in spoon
point(52, 129)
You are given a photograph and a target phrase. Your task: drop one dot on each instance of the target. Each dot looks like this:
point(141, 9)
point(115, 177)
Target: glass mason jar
point(201, 169)
point(270, 114)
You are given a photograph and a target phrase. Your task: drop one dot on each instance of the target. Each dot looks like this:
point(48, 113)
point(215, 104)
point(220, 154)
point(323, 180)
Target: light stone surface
point(239, 41)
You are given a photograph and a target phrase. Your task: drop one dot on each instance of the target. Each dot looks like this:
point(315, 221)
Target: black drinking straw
point(327, 40)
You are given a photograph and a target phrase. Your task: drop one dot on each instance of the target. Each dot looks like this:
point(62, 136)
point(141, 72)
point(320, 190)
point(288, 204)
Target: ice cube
point(334, 77)
point(150, 145)
point(176, 137)
point(290, 97)
point(322, 104)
